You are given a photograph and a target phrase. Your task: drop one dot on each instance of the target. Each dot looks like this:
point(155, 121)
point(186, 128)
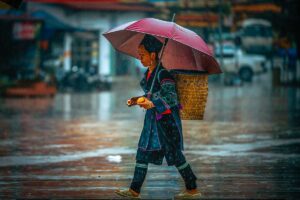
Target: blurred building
point(71, 35)
point(19, 38)
point(77, 27)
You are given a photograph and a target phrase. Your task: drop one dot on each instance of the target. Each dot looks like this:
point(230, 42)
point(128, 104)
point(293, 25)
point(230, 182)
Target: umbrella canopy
point(185, 49)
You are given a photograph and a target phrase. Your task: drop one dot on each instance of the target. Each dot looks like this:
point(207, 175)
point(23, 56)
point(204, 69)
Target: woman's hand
point(132, 101)
point(146, 104)
point(129, 102)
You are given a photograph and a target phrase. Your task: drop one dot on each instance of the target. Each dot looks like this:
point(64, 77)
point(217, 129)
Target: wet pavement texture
point(82, 146)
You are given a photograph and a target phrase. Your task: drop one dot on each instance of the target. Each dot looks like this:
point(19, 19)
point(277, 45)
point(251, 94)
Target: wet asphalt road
point(83, 145)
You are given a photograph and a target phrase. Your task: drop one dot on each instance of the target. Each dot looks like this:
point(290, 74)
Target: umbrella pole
point(156, 68)
point(159, 62)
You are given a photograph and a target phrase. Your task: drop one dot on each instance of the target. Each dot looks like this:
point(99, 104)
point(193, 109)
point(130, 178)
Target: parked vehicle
point(256, 36)
point(226, 37)
point(238, 62)
point(80, 81)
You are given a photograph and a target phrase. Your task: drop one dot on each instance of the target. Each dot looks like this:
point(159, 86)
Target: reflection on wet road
point(83, 145)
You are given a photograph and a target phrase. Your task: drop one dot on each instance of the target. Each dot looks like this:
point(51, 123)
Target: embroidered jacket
point(164, 97)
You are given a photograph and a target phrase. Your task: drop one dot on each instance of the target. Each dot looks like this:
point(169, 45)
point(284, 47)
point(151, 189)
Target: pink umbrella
point(185, 50)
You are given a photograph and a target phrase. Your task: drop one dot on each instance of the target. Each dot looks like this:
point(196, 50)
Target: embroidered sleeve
point(166, 97)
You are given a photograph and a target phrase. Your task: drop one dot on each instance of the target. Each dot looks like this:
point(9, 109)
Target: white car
point(256, 36)
point(236, 61)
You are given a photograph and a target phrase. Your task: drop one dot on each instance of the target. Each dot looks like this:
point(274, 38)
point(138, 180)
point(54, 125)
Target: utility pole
point(220, 38)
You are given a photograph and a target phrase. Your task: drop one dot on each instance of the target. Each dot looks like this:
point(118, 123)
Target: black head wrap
point(151, 44)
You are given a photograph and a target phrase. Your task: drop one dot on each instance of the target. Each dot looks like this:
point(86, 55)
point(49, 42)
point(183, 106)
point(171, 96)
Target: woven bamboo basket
point(192, 90)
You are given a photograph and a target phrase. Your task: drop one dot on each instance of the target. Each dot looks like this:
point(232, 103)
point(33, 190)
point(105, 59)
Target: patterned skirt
point(169, 137)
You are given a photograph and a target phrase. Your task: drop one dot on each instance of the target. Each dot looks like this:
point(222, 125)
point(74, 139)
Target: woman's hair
point(151, 44)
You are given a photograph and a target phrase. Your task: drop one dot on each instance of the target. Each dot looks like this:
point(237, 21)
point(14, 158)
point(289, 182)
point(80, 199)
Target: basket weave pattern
point(192, 90)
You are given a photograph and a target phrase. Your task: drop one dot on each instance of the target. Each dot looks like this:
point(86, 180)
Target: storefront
point(20, 46)
point(87, 49)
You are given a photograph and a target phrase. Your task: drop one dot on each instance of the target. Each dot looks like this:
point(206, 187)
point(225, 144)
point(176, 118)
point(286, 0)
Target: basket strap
point(158, 75)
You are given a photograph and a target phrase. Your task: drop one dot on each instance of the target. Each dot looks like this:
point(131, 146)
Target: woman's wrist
point(152, 104)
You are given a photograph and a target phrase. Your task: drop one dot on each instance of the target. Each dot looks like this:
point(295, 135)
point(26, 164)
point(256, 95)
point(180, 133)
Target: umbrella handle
point(160, 58)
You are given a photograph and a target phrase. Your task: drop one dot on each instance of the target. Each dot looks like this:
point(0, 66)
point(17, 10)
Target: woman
point(162, 132)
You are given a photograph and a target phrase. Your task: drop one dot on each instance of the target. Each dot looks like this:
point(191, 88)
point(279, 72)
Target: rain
point(67, 133)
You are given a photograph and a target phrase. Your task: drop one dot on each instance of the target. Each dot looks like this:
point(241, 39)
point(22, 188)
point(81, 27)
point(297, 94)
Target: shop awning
point(102, 5)
point(52, 22)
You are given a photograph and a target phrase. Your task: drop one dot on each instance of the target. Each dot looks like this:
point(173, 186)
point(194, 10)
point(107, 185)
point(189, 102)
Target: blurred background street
point(65, 129)
point(83, 145)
